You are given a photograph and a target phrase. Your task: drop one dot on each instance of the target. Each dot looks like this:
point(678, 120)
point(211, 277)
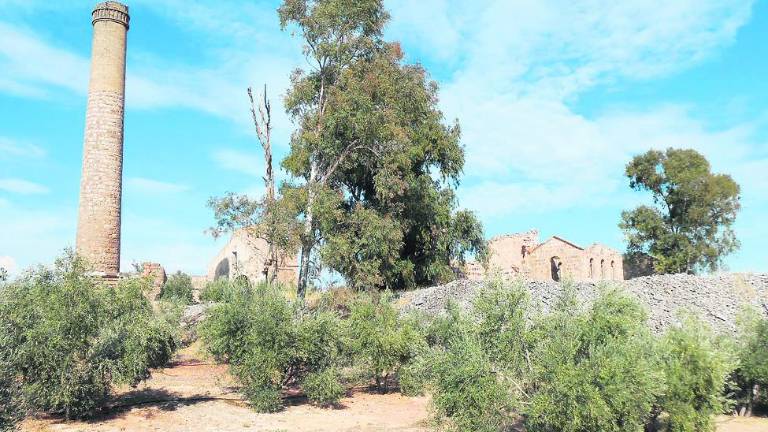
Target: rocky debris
point(194, 314)
point(716, 299)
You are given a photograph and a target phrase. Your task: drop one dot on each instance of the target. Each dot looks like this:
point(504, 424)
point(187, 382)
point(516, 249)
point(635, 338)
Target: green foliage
point(750, 380)
point(10, 398)
point(753, 352)
point(381, 341)
point(593, 370)
point(323, 388)
point(270, 343)
point(690, 227)
point(224, 290)
point(375, 163)
point(500, 309)
point(178, 288)
point(696, 364)
point(468, 394)
point(68, 339)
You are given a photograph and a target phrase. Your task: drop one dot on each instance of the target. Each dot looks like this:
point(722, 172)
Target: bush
point(696, 365)
point(224, 290)
point(323, 388)
point(381, 341)
point(67, 339)
point(10, 395)
point(271, 344)
point(593, 370)
point(752, 375)
point(468, 394)
point(178, 288)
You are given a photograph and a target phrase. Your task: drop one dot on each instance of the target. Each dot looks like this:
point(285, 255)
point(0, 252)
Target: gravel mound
point(716, 299)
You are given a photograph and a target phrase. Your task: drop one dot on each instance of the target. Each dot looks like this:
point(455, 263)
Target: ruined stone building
point(98, 223)
point(555, 259)
point(247, 256)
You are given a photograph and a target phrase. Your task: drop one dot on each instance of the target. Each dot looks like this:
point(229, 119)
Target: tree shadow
point(160, 399)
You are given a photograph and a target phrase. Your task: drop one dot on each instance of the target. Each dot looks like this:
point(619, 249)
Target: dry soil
point(193, 395)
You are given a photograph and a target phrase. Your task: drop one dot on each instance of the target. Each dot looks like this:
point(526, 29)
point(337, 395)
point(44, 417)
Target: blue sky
point(554, 97)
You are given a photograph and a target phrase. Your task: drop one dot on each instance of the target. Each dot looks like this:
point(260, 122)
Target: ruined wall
point(245, 255)
point(571, 258)
point(98, 226)
point(604, 263)
point(506, 251)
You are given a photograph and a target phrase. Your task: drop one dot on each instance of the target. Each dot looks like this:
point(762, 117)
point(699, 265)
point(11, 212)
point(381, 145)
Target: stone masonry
point(555, 259)
point(98, 227)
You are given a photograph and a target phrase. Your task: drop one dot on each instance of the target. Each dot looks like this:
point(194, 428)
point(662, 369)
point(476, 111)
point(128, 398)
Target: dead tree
point(263, 125)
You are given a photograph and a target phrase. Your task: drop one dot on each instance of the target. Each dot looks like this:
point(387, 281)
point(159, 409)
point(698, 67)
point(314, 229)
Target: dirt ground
point(193, 395)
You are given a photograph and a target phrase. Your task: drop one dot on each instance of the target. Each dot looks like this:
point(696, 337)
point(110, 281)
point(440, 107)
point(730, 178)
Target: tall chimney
point(98, 225)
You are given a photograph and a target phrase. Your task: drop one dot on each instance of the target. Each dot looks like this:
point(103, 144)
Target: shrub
point(178, 288)
point(10, 406)
point(593, 370)
point(500, 310)
point(696, 365)
point(323, 388)
point(271, 344)
point(381, 341)
point(68, 339)
point(224, 290)
point(752, 374)
point(468, 394)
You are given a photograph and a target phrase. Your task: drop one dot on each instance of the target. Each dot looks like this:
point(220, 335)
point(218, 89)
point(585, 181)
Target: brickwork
point(555, 259)
point(98, 229)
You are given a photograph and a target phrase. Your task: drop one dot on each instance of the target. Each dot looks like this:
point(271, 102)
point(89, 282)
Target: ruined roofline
point(601, 245)
point(533, 232)
point(558, 238)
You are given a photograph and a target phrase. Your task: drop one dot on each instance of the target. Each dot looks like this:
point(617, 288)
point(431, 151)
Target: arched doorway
point(556, 268)
point(222, 269)
point(602, 269)
point(591, 268)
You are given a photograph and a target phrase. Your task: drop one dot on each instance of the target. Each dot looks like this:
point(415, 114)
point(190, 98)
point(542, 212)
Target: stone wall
point(717, 299)
point(555, 259)
point(247, 256)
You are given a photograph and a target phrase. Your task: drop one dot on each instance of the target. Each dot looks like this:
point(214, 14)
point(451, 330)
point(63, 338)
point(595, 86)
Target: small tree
point(3, 274)
point(689, 228)
point(179, 288)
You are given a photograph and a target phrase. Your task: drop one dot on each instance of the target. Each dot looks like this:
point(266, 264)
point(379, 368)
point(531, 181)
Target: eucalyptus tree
point(374, 165)
point(689, 228)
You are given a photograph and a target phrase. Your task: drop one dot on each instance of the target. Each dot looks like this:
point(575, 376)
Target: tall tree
point(336, 33)
point(376, 163)
point(689, 228)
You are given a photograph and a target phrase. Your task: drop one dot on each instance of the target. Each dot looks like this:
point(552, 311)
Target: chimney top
point(111, 11)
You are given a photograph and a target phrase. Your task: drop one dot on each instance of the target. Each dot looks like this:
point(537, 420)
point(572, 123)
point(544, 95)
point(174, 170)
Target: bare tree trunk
point(264, 133)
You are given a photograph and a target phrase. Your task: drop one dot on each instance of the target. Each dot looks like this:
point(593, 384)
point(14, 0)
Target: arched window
point(556, 267)
point(613, 270)
point(591, 268)
point(602, 269)
point(222, 269)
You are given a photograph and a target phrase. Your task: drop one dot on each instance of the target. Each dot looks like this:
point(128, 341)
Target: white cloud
point(145, 186)
point(32, 66)
point(27, 62)
point(23, 187)
point(249, 163)
point(8, 263)
point(12, 148)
